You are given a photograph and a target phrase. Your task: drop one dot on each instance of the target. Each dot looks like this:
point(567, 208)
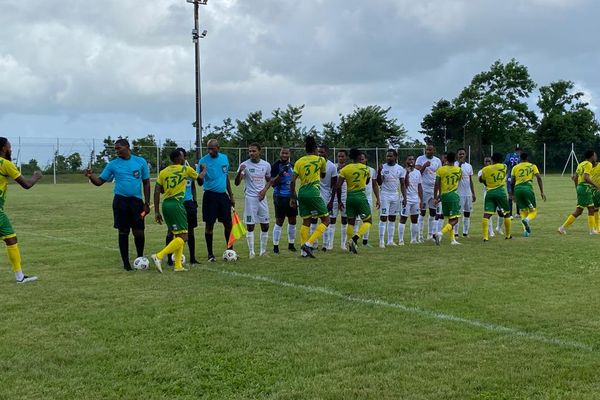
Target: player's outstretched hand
point(37, 175)
point(293, 203)
point(158, 218)
point(377, 204)
point(474, 199)
point(543, 196)
point(232, 201)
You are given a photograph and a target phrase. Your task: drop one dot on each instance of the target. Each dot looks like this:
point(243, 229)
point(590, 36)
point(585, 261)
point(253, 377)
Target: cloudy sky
point(88, 69)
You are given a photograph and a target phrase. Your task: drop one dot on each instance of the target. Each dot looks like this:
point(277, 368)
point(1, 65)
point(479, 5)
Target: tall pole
point(196, 36)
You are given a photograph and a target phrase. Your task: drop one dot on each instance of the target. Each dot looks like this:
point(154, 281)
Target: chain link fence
point(65, 159)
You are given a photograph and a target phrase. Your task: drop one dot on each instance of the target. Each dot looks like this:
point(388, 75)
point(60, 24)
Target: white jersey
point(369, 186)
point(330, 172)
point(391, 175)
point(428, 174)
point(412, 189)
point(464, 186)
point(344, 185)
point(479, 176)
point(256, 176)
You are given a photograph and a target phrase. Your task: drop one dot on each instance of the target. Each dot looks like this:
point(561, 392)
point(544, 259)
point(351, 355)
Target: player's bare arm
point(28, 183)
point(238, 177)
point(230, 192)
point(541, 185)
point(146, 189)
point(158, 190)
point(96, 181)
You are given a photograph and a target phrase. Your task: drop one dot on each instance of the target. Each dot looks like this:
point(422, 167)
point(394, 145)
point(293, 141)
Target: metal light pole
point(196, 36)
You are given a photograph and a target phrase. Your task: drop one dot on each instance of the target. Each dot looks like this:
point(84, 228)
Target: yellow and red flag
point(238, 229)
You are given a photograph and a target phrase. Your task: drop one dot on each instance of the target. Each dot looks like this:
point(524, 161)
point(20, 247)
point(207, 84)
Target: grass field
point(504, 320)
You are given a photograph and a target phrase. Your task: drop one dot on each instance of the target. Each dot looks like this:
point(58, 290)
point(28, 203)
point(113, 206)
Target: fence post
point(573, 162)
point(469, 154)
point(19, 156)
point(55, 154)
point(491, 149)
point(239, 156)
point(376, 157)
point(544, 159)
point(158, 158)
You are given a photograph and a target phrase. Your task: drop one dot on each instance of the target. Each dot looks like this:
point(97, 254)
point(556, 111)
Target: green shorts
point(585, 195)
point(357, 205)
point(175, 215)
point(496, 199)
point(6, 229)
point(451, 205)
point(311, 207)
point(524, 196)
point(596, 198)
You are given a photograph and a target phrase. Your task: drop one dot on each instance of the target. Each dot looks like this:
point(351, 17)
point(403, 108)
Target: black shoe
point(324, 249)
point(127, 267)
point(275, 249)
point(365, 242)
point(508, 238)
point(212, 258)
point(291, 247)
point(352, 247)
point(465, 235)
point(308, 250)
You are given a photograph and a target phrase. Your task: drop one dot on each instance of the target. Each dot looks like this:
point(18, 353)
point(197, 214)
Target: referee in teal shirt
point(130, 174)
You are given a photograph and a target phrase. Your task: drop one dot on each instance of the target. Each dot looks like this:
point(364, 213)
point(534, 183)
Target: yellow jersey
point(595, 174)
point(356, 175)
point(173, 179)
point(450, 176)
point(309, 168)
point(524, 172)
point(494, 176)
point(583, 168)
point(7, 170)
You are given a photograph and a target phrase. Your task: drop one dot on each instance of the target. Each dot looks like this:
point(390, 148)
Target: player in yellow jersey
point(310, 169)
point(171, 183)
point(7, 233)
point(494, 177)
point(595, 175)
point(447, 178)
point(356, 175)
point(585, 193)
point(521, 190)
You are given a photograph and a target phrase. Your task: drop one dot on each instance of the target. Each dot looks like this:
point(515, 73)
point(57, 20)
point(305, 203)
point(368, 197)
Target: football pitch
point(512, 319)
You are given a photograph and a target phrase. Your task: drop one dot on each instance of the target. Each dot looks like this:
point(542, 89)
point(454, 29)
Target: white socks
point(382, 226)
point(276, 234)
point(401, 228)
point(250, 240)
point(431, 226)
point(391, 229)
point(343, 228)
point(264, 238)
point(291, 233)
point(414, 232)
point(466, 225)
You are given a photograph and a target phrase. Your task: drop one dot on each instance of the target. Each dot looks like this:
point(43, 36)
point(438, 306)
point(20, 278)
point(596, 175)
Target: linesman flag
point(238, 229)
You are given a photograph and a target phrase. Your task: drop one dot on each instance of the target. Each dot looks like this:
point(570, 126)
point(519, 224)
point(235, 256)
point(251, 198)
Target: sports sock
point(343, 230)
point(466, 225)
point(317, 233)
point(597, 220)
point(499, 222)
point(485, 228)
point(312, 228)
point(349, 232)
point(14, 256)
point(569, 221)
point(330, 235)
point(304, 233)
point(420, 225)
point(171, 248)
point(365, 236)
point(532, 214)
point(401, 228)
point(178, 255)
point(355, 228)
point(139, 241)
point(507, 225)
point(524, 214)
point(430, 226)
point(455, 229)
point(363, 228)
point(414, 232)
point(449, 230)
point(277, 234)
point(382, 228)
point(124, 248)
point(490, 228)
point(192, 246)
point(250, 241)
point(391, 229)
point(291, 233)
point(208, 237)
point(264, 239)
point(591, 223)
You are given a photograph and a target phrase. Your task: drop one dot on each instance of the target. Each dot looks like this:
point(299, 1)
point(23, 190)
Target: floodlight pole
point(196, 36)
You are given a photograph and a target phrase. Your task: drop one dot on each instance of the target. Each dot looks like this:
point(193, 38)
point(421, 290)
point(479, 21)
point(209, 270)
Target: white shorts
point(428, 200)
point(466, 204)
point(412, 208)
point(255, 211)
point(390, 205)
point(336, 210)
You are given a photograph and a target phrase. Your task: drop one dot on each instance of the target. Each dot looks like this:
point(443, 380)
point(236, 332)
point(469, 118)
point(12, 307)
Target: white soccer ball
point(230, 255)
point(141, 263)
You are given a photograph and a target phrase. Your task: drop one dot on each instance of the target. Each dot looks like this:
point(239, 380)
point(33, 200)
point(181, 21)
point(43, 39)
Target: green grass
point(288, 328)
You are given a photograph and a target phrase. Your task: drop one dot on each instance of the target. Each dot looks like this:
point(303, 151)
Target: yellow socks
point(14, 256)
point(591, 222)
point(597, 220)
point(449, 230)
point(304, 233)
point(363, 229)
point(175, 245)
point(485, 227)
point(532, 214)
point(177, 257)
point(524, 213)
point(319, 230)
point(569, 221)
point(349, 232)
point(507, 225)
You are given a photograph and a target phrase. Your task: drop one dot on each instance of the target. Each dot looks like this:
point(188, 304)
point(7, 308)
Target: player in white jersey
point(466, 191)
point(390, 176)
point(327, 187)
point(414, 201)
point(370, 189)
point(428, 164)
point(257, 176)
point(338, 205)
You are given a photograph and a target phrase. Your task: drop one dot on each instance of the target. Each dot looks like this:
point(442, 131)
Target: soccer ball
point(141, 263)
point(230, 255)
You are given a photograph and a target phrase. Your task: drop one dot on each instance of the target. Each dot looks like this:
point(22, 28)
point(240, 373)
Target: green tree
point(30, 167)
point(74, 162)
point(167, 147)
point(444, 125)
point(370, 126)
point(146, 147)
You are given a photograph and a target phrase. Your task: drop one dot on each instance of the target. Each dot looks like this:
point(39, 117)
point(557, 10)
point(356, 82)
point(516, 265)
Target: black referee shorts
point(283, 208)
point(127, 212)
point(191, 209)
point(216, 206)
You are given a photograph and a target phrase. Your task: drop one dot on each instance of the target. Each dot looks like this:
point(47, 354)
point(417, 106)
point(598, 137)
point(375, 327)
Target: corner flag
point(237, 230)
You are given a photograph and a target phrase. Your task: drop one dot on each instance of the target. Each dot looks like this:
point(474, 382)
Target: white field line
point(66, 240)
point(411, 310)
point(375, 302)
